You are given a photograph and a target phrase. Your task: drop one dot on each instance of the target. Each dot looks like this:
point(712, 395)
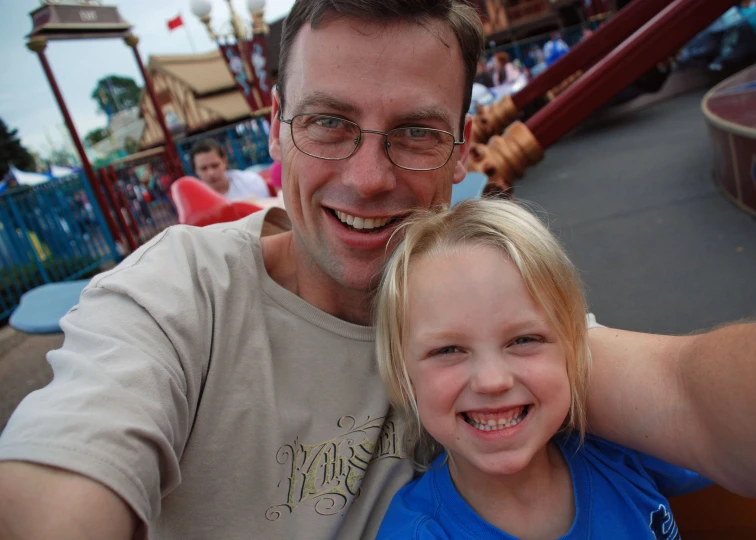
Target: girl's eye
point(526, 339)
point(445, 350)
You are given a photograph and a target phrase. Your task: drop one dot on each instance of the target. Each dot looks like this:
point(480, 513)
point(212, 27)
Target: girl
point(481, 340)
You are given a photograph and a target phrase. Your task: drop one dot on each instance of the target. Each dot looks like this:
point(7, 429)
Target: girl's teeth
point(500, 423)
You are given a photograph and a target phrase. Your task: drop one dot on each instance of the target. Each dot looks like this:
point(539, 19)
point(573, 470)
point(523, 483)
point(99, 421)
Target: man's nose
point(491, 374)
point(369, 171)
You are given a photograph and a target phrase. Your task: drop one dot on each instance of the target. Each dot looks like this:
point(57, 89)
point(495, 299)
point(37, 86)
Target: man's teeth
point(362, 223)
point(486, 423)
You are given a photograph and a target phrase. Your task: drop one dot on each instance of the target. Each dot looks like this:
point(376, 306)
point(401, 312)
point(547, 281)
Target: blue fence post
point(16, 251)
point(100, 220)
point(32, 250)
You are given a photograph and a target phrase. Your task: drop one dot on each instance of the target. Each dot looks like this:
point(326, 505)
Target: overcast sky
point(26, 101)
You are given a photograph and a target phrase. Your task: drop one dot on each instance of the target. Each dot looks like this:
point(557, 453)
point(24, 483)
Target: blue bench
point(40, 309)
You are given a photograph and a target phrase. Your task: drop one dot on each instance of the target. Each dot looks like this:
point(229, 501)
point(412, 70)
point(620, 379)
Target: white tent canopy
point(56, 171)
point(29, 178)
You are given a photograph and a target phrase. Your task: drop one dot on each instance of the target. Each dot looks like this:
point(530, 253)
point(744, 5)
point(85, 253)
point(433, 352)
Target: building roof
point(204, 73)
point(229, 105)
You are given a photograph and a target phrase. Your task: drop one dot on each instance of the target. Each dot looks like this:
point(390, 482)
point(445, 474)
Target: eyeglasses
point(334, 139)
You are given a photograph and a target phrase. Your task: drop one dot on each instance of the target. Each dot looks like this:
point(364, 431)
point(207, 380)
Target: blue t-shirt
point(619, 494)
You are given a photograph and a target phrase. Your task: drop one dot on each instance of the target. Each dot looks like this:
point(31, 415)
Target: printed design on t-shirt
point(327, 476)
point(663, 525)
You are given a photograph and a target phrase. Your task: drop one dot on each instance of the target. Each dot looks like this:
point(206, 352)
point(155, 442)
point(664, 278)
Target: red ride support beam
point(107, 181)
point(591, 50)
point(97, 189)
point(668, 31)
point(38, 46)
point(177, 168)
point(125, 202)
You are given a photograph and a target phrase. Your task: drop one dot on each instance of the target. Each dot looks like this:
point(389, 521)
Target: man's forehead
point(314, 75)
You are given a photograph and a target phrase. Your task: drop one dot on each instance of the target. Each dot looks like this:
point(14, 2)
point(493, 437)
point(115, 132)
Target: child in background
point(481, 339)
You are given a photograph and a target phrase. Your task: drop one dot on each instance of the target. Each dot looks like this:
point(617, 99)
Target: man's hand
point(38, 502)
point(690, 401)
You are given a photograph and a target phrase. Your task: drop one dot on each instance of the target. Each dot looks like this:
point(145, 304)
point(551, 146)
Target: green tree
point(114, 93)
point(12, 152)
point(95, 136)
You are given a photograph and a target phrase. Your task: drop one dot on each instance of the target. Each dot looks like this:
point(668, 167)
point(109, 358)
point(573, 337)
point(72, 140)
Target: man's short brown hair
point(204, 146)
point(456, 14)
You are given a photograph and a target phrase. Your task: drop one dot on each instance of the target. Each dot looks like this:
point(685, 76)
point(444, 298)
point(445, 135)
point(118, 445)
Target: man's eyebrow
point(429, 113)
point(324, 101)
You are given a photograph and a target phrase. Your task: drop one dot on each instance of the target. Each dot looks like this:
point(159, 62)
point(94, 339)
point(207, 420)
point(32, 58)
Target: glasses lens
point(323, 136)
point(420, 148)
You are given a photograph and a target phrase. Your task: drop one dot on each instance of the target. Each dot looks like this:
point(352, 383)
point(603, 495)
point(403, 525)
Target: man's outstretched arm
point(38, 502)
point(688, 400)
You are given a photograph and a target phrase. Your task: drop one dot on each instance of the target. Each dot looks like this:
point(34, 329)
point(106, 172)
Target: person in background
point(555, 48)
point(535, 61)
point(211, 165)
point(274, 176)
point(483, 75)
point(504, 70)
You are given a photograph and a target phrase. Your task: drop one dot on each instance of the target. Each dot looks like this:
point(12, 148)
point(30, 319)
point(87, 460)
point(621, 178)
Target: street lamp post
point(243, 51)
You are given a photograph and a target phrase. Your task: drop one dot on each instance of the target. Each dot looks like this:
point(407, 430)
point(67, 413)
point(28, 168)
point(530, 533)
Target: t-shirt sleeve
point(590, 321)
point(126, 380)
point(668, 479)
point(671, 480)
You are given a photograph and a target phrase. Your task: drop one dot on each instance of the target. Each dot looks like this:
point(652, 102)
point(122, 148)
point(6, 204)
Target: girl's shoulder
point(615, 460)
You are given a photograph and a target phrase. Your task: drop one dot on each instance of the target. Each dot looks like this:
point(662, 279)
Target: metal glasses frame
point(358, 141)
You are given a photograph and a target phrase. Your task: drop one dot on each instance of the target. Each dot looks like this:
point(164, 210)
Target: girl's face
point(489, 373)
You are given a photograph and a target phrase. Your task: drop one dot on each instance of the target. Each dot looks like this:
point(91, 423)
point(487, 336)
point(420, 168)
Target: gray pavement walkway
point(659, 247)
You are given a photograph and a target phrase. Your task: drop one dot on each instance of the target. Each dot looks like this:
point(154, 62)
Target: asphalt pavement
point(660, 248)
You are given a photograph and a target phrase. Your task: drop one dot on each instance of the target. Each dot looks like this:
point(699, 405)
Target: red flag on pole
point(175, 22)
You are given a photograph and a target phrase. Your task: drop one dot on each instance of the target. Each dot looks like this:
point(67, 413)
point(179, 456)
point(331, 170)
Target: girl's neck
point(534, 503)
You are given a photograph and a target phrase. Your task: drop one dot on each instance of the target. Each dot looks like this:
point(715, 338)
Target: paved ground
point(660, 249)
point(23, 367)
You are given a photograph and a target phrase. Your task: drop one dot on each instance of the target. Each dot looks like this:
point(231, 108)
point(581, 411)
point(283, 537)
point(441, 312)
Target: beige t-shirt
point(216, 403)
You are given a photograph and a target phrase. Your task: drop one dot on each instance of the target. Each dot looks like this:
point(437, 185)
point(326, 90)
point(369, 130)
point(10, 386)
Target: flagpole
point(189, 36)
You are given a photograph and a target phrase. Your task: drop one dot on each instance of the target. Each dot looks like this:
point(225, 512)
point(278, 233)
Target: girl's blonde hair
point(549, 276)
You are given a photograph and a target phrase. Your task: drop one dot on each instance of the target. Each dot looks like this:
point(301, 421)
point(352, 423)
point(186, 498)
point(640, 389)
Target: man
point(211, 165)
point(482, 74)
point(222, 385)
point(555, 48)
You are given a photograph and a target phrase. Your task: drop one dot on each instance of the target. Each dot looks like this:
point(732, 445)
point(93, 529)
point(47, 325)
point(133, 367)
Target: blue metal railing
point(51, 232)
point(245, 143)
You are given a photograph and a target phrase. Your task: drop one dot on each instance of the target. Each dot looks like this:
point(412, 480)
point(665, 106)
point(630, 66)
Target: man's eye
point(330, 123)
point(412, 132)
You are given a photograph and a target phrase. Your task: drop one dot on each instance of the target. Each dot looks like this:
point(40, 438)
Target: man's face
point(211, 168)
point(381, 78)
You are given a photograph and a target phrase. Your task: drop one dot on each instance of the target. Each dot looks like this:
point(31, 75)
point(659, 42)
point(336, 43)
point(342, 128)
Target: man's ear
point(460, 167)
point(274, 140)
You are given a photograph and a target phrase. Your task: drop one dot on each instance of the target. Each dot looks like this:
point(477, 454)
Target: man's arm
point(688, 400)
point(39, 502)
